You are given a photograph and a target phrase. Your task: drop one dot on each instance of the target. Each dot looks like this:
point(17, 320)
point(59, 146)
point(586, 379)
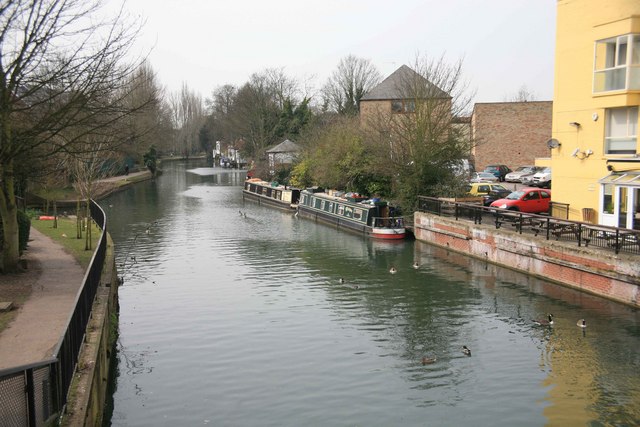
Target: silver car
point(542, 179)
point(516, 175)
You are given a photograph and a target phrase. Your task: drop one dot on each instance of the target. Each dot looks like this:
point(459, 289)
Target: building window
point(621, 130)
point(403, 106)
point(617, 64)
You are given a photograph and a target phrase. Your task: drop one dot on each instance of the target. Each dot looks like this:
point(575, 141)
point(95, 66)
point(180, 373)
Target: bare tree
point(418, 143)
point(522, 95)
point(348, 84)
point(61, 67)
point(188, 117)
point(87, 167)
point(151, 125)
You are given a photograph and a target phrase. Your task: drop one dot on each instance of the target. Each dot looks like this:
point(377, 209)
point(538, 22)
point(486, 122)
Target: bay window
point(617, 64)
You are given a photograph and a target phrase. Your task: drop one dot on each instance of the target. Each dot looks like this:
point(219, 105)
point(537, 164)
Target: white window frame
point(620, 67)
point(629, 137)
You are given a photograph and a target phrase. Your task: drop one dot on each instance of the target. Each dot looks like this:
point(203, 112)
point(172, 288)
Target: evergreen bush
point(24, 228)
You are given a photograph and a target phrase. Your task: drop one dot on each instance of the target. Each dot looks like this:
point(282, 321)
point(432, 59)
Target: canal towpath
point(55, 278)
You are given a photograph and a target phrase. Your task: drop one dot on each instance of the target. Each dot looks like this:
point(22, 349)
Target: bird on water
point(393, 270)
point(582, 323)
point(466, 351)
point(416, 265)
point(544, 322)
point(428, 360)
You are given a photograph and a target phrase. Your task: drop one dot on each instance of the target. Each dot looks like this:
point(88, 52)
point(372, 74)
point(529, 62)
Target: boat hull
point(388, 233)
point(392, 229)
point(278, 196)
point(279, 204)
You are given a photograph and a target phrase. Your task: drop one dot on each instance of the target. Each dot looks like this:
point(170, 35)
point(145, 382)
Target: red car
point(531, 200)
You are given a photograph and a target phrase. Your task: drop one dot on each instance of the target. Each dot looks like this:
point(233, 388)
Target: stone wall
point(85, 406)
point(592, 270)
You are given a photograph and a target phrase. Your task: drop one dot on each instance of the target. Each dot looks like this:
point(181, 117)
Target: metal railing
point(538, 226)
point(30, 395)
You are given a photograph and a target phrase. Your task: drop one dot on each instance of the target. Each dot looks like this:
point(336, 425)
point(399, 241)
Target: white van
point(542, 179)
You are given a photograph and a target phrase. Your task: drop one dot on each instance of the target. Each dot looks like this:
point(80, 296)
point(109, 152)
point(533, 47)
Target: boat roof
point(365, 203)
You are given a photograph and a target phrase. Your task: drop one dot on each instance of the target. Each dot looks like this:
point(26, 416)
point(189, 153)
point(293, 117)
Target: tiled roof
point(397, 86)
point(285, 146)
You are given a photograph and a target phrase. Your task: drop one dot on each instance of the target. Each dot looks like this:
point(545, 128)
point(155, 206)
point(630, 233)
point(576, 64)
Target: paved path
point(43, 318)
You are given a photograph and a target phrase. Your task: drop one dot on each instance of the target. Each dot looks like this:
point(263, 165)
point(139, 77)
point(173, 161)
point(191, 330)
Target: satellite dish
point(553, 143)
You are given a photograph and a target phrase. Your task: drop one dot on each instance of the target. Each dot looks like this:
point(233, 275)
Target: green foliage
point(282, 174)
point(301, 174)
point(340, 158)
point(293, 118)
point(24, 228)
point(150, 159)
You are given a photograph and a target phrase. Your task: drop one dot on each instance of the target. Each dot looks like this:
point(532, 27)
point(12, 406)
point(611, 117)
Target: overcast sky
point(505, 44)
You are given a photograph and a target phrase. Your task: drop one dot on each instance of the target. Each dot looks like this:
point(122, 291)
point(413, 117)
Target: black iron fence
point(30, 395)
point(538, 226)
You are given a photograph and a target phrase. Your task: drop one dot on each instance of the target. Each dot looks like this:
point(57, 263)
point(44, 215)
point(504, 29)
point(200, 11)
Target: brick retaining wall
point(592, 270)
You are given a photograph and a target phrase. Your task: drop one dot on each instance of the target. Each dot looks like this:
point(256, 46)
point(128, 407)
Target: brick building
point(397, 95)
point(510, 133)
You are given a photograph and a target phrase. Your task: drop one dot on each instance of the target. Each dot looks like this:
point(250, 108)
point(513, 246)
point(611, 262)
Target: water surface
point(241, 320)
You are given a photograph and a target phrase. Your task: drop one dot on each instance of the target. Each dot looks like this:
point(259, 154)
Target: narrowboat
point(371, 217)
point(272, 194)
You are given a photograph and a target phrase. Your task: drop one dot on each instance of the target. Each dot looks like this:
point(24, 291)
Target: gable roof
point(285, 146)
point(393, 86)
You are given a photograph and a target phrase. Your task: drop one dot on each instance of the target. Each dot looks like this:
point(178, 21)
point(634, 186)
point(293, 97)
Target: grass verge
point(66, 235)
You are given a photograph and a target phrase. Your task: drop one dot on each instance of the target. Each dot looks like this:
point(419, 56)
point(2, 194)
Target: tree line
point(75, 107)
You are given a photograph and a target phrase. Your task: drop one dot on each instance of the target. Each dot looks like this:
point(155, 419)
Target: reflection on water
point(229, 319)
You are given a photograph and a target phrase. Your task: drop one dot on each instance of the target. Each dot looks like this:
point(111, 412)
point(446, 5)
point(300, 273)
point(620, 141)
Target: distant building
point(510, 133)
point(397, 94)
point(595, 158)
point(282, 154)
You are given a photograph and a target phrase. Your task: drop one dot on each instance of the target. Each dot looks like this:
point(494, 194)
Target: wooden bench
point(624, 239)
point(513, 218)
point(557, 229)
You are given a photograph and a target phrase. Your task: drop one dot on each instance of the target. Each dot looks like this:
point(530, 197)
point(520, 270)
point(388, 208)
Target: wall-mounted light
point(581, 154)
point(574, 124)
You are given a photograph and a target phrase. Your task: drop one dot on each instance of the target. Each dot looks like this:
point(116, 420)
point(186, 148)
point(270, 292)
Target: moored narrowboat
point(272, 194)
point(372, 217)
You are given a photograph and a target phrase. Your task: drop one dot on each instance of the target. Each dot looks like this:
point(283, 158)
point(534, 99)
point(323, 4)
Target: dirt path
point(43, 317)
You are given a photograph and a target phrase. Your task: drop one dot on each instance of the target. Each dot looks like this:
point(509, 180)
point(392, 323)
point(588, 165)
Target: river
point(242, 320)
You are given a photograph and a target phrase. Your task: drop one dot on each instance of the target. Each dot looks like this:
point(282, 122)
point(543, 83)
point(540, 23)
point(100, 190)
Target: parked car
point(516, 175)
point(483, 177)
point(500, 171)
point(542, 179)
point(530, 200)
point(483, 188)
point(494, 195)
point(527, 180)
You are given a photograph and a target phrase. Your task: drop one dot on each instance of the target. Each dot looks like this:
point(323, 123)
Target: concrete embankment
point(593, 270)
point(88, 394)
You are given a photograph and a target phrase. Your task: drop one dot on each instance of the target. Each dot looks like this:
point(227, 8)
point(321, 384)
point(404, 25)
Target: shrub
point(24, 228)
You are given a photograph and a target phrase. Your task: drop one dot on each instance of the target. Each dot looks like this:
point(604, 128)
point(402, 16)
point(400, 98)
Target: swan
point(582, 323)
point(393, 270)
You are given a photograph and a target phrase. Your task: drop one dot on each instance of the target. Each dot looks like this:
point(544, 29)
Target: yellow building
point(595, 156)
